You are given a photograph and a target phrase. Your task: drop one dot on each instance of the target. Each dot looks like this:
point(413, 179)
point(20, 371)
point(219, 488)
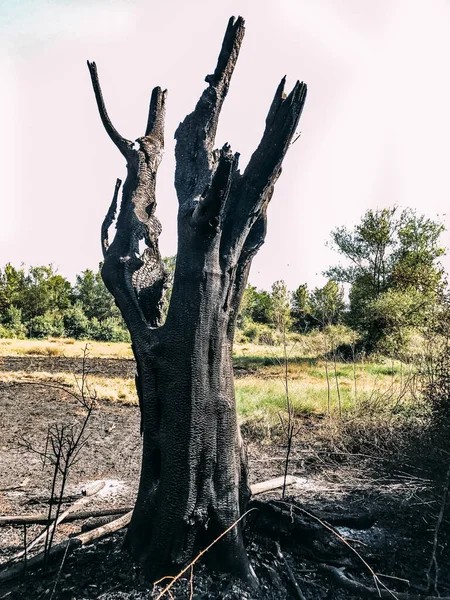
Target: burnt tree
point(194, 471)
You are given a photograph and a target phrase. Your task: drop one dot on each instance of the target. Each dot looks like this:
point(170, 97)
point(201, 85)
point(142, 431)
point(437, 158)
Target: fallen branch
point(113, 526)
point(67, 547)
point(80, 502)
point(290, 573)
point(272, 484)
point(95, 522)
point(42, 519)
point(339, 577)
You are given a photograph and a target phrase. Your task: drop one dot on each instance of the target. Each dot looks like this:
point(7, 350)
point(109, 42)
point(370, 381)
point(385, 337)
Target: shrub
point(12, 323)
point(45, 325)
point(76, 323)
point(260, 334)
point(108, 330)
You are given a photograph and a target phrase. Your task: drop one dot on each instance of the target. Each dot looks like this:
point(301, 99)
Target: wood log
point(42, 518)
point(272, 484)
point(99, 532)
point(80, 502)
point(93, 488)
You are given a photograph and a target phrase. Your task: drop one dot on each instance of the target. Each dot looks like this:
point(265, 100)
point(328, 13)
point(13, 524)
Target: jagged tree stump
point(194, 470)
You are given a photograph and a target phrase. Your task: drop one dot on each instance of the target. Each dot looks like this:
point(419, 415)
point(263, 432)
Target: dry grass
point(114, 389)
point(64, 347)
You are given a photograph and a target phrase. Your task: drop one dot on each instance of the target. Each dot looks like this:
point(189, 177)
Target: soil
point(397, 542)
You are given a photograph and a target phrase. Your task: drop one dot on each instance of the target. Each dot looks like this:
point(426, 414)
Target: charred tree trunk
point(194, 471)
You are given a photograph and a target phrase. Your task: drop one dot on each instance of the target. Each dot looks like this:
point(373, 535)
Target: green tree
point(76, 323)
point(393, 254)
point(90, 292)
point(326, 304)
point(44, 291)
point(12, 286)
point(280, 309)
point(300, 308)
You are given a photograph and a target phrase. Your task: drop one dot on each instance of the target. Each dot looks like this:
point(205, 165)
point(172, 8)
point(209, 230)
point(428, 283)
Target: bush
point(5, 332)
point(12, 324)
point(108, 330)
point(45, 325)
point(260, 334)
point(76, 323)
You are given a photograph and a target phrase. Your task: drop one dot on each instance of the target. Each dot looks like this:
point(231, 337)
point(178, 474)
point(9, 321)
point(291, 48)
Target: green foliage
point(256, 307)
point(258, 333)
point(76, 323)
point(327, 303)
point(319, 308)
point(44, 291)
point(170, 263)
point(40, 303)
point(300, 308)
point(12, 323)
point(91, 293)
point(394, 273)
point(108, 330)
point(12, 285)
point(280, 309)
point(48, 324)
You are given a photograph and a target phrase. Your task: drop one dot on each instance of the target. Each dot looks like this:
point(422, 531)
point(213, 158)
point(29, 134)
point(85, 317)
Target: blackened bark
point(194, 470)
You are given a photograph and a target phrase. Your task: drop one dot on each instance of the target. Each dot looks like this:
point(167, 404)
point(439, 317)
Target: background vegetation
point(387, 293)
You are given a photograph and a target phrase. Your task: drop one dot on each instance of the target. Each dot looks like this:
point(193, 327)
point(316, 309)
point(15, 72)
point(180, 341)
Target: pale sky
point(375, 130)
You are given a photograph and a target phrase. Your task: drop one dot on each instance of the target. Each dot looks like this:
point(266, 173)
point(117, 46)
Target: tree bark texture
point(194, 471)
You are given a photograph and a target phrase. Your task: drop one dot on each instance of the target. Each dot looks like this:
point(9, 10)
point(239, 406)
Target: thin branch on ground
point(433, 559)
point(290, 573)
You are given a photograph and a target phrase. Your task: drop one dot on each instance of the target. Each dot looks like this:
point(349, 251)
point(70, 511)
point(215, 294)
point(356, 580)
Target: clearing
point(385, 509)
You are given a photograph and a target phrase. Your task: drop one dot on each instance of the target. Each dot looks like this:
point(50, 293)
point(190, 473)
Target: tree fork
point(193, 482)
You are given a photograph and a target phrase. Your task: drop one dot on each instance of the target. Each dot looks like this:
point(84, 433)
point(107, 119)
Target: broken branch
point(109, 218)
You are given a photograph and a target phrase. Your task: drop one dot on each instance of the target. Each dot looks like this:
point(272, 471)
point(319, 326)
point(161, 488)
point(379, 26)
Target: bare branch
point(122, 144)
point(138, 282)
point(109, 218)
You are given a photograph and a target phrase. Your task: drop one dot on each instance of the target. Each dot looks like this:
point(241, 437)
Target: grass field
point(316, 386)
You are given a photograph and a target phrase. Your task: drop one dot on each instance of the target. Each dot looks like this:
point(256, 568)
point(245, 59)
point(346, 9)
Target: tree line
point(38, 302)
point(390, 270)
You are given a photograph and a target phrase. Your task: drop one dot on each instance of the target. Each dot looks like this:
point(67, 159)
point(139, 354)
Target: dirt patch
point(398, 542)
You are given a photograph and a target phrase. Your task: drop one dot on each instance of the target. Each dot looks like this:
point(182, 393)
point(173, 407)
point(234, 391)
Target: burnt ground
point(400, 507)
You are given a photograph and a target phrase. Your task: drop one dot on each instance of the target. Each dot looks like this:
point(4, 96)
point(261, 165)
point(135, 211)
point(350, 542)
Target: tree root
point(87, 537)
point(338, 576)
point(274, 518)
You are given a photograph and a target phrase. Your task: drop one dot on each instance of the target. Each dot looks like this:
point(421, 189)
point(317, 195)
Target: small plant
point(62, 450)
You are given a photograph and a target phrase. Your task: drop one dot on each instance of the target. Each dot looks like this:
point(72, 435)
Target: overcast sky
point(375, 130)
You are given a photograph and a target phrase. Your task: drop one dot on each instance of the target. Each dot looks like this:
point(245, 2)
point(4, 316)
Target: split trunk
point(194, 471)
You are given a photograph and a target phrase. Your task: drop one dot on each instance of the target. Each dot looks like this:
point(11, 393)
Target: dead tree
point(193, 482)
